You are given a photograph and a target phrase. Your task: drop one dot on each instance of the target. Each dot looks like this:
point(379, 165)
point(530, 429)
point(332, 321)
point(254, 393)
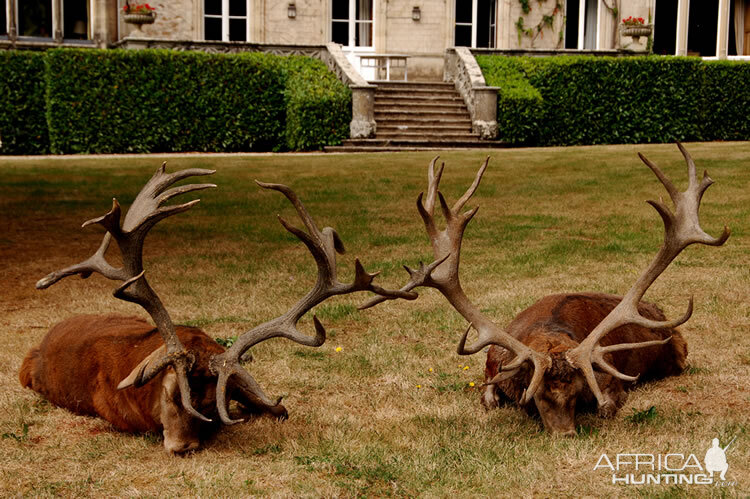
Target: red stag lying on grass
point(139, 377)
point(550, 350)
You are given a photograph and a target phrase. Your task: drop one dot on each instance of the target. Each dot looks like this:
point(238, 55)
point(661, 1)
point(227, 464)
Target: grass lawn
point(393, 412)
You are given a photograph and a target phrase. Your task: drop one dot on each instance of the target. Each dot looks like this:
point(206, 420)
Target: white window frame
point(722, 31)
point(58, 16)
point(582, 7)
point(225, 17)
point(352, 23)
point(725, 50)
point(473, 24)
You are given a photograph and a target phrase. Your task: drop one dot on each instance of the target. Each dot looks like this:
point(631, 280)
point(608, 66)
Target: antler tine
point(433, 184)
point(443, 275)
point(474, 185)
point(323, 245)
point(417, 277)
point(681, 229)
point(143, 214)
point(95, 263)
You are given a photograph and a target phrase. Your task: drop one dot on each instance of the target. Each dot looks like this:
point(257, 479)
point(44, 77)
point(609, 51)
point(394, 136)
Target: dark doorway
point(486, 23)
point(572, 8)
point(702, 28)
point(665, 27)
point(3, 19)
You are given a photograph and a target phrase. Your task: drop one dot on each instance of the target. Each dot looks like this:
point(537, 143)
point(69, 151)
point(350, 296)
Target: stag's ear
point(136, 373)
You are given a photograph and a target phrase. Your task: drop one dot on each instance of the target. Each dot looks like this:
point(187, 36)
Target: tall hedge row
point(116, 101)
point(318, 106)
point(726, 101)
point(603, 100)
point(23, 126)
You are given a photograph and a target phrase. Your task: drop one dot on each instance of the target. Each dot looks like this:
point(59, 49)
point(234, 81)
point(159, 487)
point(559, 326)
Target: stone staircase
point(418, 116)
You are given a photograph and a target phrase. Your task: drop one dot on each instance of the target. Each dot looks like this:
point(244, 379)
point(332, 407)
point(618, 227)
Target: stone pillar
point(462, 69)
point(484, 120)
point(12, 28)
point(683, 7)
point(57, 21)
point(363, 112)
point(722, 37)
point(363, 94)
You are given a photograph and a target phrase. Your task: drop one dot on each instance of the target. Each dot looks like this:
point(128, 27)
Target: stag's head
point(215, 374)
point(558, 372)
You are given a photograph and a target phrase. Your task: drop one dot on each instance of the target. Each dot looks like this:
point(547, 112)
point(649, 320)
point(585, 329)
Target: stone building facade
point(419, 29)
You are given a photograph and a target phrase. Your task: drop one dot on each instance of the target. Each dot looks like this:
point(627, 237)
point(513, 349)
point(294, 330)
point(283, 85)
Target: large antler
point(443, 275)
point(144, 213)
point(681, 229)
point(323, 244)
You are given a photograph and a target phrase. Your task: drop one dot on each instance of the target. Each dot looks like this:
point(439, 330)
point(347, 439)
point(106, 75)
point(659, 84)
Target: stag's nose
point(183, 447)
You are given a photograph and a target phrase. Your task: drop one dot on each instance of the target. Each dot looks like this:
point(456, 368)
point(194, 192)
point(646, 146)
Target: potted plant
point(635, 27)
point(138, 14)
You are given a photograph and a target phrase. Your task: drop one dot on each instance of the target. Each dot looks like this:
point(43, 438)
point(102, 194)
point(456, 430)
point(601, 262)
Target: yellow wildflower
point(338, 349)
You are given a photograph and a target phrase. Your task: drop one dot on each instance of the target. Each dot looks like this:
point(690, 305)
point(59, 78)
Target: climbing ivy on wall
point(547, 21)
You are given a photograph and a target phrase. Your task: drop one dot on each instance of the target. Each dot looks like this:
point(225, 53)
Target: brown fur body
point(558, 323)
point(81, 361)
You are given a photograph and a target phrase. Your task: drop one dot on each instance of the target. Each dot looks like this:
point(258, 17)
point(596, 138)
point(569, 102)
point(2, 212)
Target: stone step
point(398, 115)
point(414, 86)
point(429, 137)
point(416, 91)
point(416, 116)
point(397, 99)
point(376, 145)
point(418, 108)
point(415, 103)
point(447, 127)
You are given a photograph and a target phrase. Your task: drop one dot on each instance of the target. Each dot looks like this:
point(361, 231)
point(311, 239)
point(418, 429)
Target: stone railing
point(556, 52)
point(363, 94)
point(462, 70)
point(362, 125)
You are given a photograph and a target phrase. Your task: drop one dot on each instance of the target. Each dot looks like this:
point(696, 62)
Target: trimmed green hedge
point(726, 101)
point(23, 126)
point(605, 100)
point(520, 111)
point(114, 101)
point(318, 106)
point(118, 101)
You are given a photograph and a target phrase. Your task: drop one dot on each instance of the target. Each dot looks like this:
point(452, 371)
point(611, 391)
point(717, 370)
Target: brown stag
point(139, 377)
point(549, 352)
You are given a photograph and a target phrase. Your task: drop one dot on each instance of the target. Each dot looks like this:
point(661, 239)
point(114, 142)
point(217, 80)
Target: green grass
point(551, 220)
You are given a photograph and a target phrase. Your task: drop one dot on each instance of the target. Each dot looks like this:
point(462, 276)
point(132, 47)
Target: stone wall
point(309, 27)
point(175, 20)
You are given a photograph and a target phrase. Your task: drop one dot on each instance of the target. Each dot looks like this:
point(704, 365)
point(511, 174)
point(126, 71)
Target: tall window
point(351, 22)
point(69, 19)
point(703, 26)
point(3, 18)
point(739, 28)
point(76, 20)
point(702, 19)
point(34, 18)
point(226, 20)
point(665, 27)
point(476, 23)
point(581, 24)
